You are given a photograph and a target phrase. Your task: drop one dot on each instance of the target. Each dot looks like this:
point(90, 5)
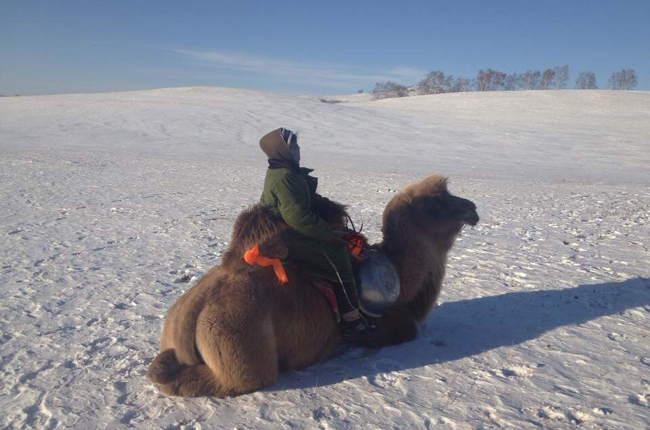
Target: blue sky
point(321, 47)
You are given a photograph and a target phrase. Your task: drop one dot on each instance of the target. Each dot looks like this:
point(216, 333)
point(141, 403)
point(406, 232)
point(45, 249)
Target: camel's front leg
point(398, 327)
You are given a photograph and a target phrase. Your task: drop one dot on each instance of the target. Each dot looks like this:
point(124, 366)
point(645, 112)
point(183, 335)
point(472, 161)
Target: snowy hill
point(567, 135)
point(114, 204)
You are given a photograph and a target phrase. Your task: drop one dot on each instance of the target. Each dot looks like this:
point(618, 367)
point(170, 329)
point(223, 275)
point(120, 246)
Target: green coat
point(291, 194)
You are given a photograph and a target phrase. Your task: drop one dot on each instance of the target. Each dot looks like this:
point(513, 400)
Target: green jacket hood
point(275, 147)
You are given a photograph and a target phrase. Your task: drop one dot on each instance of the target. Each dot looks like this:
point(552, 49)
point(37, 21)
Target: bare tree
point(389, 89)
point(630, 80)
point(461, 85)
point(586, 81)
point(490, 80)
point(530, 79)
point(561, 77)
point(498, 80)
point(448, 84)
point(513, 82)
point(433, 83)
point(483, 80)
point(625, 79)
point(547, 79)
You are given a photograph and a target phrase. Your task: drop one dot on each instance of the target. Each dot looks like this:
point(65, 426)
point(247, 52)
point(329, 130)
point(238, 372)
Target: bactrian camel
point(237, 328)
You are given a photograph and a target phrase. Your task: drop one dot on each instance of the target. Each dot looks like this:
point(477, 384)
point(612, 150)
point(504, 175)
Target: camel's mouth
point(470, 218)
point(466, 212)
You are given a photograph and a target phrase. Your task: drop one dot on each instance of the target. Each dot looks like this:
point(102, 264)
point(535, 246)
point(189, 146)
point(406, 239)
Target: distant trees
point(483, 79)
point(547, 78)
point(556, 78)
point(561, 77)
point(437, 82)
point(389, 89)
point(530, 79)
point(625, 79)
point(490, 80)
point(512, 82)
point(461, 85)
point(494, 80)
point(586, 81)
point(433, 83)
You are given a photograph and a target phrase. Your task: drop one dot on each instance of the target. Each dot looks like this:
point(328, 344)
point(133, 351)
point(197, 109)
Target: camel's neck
point(421, 267)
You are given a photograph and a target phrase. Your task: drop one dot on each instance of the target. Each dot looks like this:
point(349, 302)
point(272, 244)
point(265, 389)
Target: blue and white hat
point(291, 140)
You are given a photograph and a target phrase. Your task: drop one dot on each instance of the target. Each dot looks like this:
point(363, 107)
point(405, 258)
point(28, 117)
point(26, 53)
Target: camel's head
point(428, 208)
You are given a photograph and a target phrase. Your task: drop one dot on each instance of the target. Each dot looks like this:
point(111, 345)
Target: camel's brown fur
point(233, 331)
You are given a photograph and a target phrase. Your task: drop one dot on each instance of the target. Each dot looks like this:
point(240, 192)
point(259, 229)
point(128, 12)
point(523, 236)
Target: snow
point(114, 204)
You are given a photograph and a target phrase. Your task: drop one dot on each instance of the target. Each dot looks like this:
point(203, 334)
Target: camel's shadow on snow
point(465, 328)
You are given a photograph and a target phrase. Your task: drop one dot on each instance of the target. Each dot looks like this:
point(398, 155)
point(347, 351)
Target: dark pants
point(324, 260)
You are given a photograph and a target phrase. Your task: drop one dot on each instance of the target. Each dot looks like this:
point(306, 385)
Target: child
point(312, 244)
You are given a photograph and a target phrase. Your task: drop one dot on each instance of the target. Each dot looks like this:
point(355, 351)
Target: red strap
point(327, 290)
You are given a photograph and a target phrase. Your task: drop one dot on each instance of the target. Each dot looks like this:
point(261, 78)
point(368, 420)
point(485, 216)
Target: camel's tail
point(177, 379)
point(164, 368)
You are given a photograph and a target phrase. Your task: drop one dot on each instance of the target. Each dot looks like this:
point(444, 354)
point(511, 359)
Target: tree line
point(557, 78)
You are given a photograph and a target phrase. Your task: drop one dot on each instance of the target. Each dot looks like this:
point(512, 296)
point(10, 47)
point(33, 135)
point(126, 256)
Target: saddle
point(377, 280)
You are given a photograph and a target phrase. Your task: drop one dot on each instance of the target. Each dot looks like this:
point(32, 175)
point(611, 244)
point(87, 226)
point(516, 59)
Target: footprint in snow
point(557, 414)
point(616, 337)
point(579, 417)
point(438, 342)
point(646, 384)
point(388, 380)
point(34, 374)
point(329, 413)
point(385, 364)
point(439, 423)
point(183, 276)
point(492, 415)
point(640, 399)
point(602, 411)
point(516, 371)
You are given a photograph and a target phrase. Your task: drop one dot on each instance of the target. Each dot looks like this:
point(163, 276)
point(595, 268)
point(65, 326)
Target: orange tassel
point(355, 243)
point(252, 257)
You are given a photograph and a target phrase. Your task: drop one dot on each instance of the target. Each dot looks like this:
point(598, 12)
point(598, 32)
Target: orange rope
point(252, 257)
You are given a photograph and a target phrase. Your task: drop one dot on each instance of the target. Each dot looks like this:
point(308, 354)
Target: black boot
point(356, 330)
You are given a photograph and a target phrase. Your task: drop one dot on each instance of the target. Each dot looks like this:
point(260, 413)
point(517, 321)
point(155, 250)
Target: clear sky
point(303, 46)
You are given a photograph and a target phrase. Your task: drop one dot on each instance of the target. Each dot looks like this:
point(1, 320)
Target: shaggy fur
point(238, 327)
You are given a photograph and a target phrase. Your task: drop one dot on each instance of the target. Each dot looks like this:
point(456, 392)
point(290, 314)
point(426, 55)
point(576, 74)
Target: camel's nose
point(468, 212)
point(472, 218)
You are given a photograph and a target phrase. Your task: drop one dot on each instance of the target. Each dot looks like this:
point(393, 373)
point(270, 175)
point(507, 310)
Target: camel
point(238, 327)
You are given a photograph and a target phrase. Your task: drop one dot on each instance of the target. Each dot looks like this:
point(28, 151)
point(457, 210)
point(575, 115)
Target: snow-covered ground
point(113, 204)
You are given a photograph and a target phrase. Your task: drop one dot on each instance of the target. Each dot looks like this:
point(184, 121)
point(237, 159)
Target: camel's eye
point(433, 205)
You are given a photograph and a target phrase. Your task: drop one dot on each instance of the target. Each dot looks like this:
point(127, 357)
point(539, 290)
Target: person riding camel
point(313, 246)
